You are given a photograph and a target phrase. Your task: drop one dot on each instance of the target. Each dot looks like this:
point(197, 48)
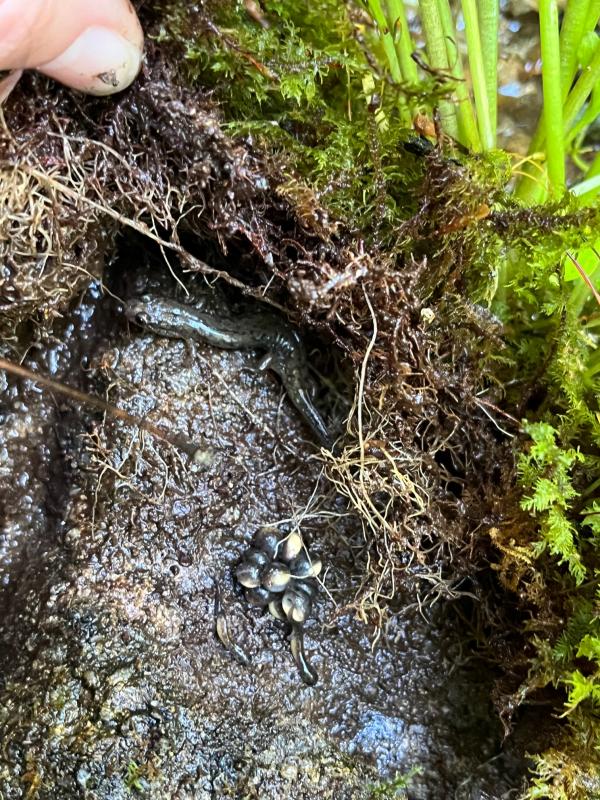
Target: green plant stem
point(438, 58)
point(588, 189)
point(584, 120)
point(593, 15)
point(529, 188)
point(467, 125)
point(577, 98)
point(376, 11)
point(581, 90)
point(403, 40)
point(478, 78)
point(489, 13)
point(553, 109)
point(594, 170)
point(571, 33)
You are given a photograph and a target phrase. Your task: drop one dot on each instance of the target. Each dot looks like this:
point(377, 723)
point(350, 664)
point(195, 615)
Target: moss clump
point(550, 550)
point(303, 90)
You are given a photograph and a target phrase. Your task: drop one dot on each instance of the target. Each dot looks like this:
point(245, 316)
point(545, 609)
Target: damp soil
point(113, 545)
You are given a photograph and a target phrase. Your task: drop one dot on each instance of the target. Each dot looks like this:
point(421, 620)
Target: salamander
point(285, 353)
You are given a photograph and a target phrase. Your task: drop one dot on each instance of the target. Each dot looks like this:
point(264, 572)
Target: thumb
point(95, 46)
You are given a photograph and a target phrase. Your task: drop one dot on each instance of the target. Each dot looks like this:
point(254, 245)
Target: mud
point(113, 543)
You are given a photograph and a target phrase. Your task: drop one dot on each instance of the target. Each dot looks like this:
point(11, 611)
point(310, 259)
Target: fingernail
point(100, 61)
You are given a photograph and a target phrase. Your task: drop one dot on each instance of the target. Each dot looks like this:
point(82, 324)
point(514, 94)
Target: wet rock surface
point(113, 545)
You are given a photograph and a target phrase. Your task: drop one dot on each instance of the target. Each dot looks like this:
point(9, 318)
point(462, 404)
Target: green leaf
point(589, 647)
point(582, 688)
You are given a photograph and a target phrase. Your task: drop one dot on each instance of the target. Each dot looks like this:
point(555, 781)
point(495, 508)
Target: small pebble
point(289, 772)
point(203, 459)
point(90, 679)
point(267, 758)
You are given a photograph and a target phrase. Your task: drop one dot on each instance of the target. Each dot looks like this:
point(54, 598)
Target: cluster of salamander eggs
point(277, 571)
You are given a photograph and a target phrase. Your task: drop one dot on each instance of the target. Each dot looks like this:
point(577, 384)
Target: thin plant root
point(96, 402)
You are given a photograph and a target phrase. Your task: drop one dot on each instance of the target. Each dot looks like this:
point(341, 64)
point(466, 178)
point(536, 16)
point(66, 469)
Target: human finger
point(92, 46)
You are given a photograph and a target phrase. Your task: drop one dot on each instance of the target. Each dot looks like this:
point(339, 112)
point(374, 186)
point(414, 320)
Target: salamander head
point(157, 314)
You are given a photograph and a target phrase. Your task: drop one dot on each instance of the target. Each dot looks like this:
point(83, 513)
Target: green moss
point(134, 778)
point(554, 349)
point(302, 89)
point(570, 770)
point(260, 72)
point(550, 471)
point(395, 787)
point(545, 472)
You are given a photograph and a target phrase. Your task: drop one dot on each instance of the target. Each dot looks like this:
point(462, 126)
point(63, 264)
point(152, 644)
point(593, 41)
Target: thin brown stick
point(585, 277)
point(91, 400)
point(142, 228)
